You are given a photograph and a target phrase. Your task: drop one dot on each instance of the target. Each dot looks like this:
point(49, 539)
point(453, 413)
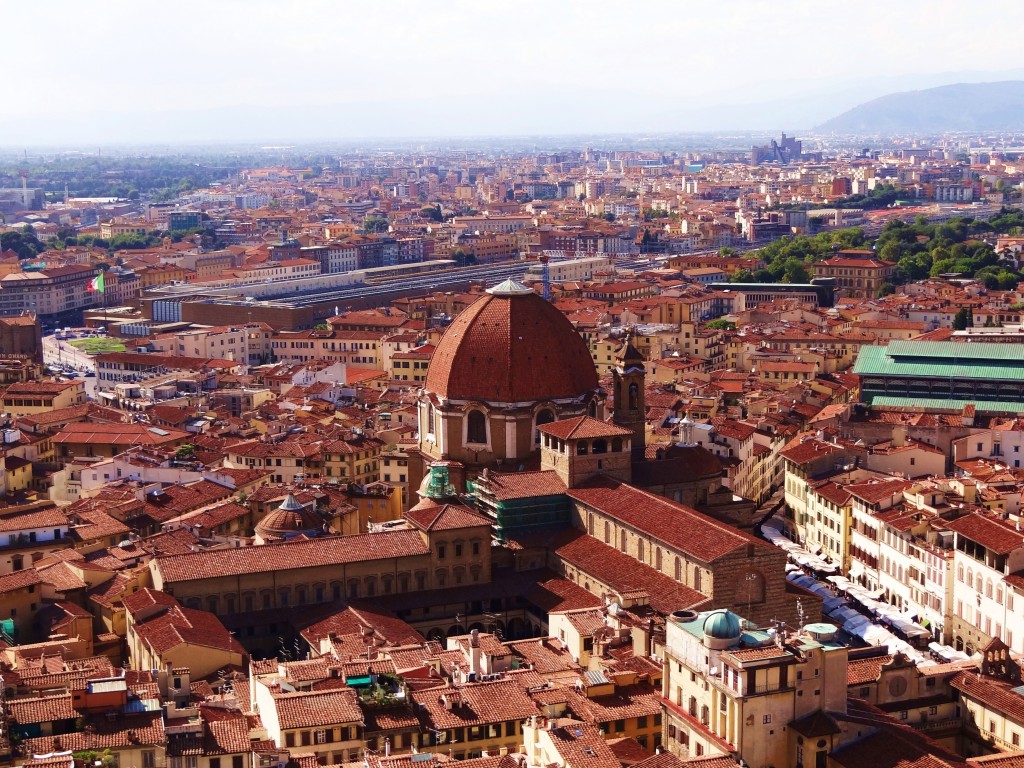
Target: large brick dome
point(511, 346)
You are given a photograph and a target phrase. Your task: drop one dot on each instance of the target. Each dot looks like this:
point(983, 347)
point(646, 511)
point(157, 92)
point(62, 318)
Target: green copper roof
point(958, 350)
point(936, 404)
point(936, 359)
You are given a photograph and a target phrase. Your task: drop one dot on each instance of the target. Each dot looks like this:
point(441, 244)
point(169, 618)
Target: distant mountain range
point(960, 107)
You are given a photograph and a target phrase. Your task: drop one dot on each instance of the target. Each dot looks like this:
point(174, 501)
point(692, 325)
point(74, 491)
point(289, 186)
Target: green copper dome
point(437, 485)
point(722, 625)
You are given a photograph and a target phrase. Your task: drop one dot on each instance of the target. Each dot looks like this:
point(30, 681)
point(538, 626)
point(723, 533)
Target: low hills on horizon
point(995, 106)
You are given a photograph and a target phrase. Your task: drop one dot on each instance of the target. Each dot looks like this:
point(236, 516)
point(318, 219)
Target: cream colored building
point(245, 343)
point(732, 689)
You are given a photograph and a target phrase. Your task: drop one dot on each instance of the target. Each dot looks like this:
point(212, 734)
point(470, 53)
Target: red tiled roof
point(624, 574)
point(995, 535)
point(445, 517)
point(48, 517)
point(119, 434)
point(861, 671)
point(674, 523)
point(105, 733)
point(42, 709)
point(996, 695)
point(517, 348)
point(19, 580)
point(522, 485)
point(317, 708)
point(290, 554)
point(475, 704)
point(583, 427)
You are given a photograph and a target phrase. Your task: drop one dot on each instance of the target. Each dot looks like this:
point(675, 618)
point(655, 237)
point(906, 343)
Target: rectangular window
point(766, 720)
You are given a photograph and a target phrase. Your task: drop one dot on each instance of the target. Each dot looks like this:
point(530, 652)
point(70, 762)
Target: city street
point(57, 353)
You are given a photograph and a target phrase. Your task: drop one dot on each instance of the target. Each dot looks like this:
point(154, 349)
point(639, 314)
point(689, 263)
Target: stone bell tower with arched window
point(628, 376)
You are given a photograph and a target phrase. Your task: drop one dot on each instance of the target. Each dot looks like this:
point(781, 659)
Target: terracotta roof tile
point(290, 554)
point(511, 349)
point(624, 574)
point(583, 427)
point(674, 523)
point(317, 708)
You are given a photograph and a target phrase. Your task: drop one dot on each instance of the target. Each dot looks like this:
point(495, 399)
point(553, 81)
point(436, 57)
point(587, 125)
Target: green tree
point(432, 212)
point(721, 324)
point(962, 319)
point(23, 242)
point(375, 224)
point(743, 276)
point(794, 271)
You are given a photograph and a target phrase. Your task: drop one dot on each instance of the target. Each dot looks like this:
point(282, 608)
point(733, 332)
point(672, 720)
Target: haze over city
point(240, 71)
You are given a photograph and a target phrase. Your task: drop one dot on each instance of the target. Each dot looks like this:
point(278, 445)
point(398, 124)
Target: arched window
point(430, 418)
point(616, 444)
point(960, 572)
point(599, 446)
point(696, 579)
point(679, 569)
point(543, 417)
point(622, 540)
point(988, 588)
point(978, 584)
point(634, 396)
point(476, 427)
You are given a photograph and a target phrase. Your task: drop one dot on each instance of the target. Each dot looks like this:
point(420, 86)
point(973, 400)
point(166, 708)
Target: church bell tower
point(630, 412)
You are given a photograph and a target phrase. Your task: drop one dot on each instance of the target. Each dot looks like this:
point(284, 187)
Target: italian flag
point(96, 284)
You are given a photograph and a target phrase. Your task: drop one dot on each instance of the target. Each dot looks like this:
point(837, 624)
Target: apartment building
point(356, 348)
point(115, 227)
point(286, 269)
point(47, 292)
point(246, 344)
point(988, 562)
point(32, 397)
point(412, 365)
point(732, 689)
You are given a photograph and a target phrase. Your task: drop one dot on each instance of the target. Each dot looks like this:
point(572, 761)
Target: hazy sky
point(129, 67)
